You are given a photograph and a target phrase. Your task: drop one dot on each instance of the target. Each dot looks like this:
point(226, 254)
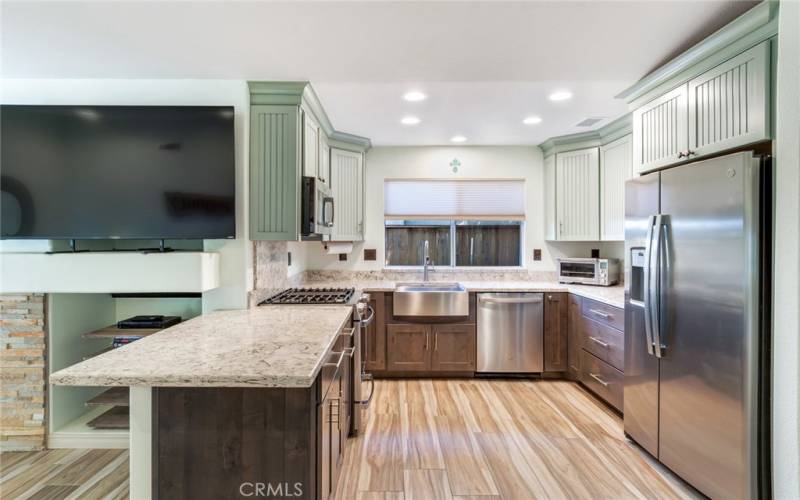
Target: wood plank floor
point(429, 439)
point(64, 474)
point(497, 439)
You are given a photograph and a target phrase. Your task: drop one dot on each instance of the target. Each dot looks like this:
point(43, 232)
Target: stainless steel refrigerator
point(696, 314)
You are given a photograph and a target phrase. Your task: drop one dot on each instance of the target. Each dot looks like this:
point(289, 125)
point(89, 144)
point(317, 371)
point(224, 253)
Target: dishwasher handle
point(511, 300)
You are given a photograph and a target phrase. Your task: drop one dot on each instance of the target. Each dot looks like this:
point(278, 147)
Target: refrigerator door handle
point(664, 271)
point(656, 285)
point(648, 323)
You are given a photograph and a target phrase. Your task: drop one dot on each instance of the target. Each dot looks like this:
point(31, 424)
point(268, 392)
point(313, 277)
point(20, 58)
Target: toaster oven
point(602, 272)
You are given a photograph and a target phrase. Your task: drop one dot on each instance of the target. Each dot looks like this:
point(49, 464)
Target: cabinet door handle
point(601, 314)
point(436, 341)
point(690, 153)
point(599, 380)
point(426, 341)
point(681, 154)
point(598, 341)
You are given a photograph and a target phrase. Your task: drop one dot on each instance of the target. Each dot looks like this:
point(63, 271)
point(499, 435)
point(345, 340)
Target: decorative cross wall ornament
point(455, 164)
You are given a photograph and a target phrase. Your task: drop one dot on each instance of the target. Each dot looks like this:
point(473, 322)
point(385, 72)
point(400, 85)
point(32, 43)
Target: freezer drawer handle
point(599, 380)
point(515, 300)
point(598, 341)
point(601, 314)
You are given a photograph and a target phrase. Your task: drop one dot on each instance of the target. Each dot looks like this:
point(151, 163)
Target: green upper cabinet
point(550, 220)
point(726, 107)
point(311, 144)
point(274, 178)
point(660, 131)
point(729, 105)
point(616, 167)
point(290, 136)
point(577, 195)
point(347, 187)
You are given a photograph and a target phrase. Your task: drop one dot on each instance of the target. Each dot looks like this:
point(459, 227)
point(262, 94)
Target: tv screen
point(130, 172)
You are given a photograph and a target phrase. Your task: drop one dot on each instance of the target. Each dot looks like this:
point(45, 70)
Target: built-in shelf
point(112, 331)
point(78, 434)
point(117, 417)
point(109, 272)
point(114, 396)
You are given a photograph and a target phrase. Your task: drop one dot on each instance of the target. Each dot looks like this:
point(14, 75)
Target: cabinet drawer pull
point(599, 380)
point(598, 341)
point(601, 314)
point(348, 332)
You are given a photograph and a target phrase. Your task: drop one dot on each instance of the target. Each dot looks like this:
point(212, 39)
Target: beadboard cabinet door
point(729, 104)
point(550, 221)
point(347, 186)
point(274, 177)
point(661, 131)
point(311, 135)
point(578, 195)
point(616, 167)
point(324, 167)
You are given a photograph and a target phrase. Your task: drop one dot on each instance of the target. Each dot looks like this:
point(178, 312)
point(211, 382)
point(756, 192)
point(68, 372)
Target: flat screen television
point(117, 172)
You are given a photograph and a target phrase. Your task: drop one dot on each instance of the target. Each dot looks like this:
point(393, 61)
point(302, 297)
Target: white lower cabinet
point(578, 195)
point(616, 167)
point(347, 186)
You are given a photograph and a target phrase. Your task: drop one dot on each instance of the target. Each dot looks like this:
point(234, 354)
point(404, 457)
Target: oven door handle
point(368, 320)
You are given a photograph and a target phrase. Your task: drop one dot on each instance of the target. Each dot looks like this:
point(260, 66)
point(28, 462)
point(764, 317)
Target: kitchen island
point(224, 401)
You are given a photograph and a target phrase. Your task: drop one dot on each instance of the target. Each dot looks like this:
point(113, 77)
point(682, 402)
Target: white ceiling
point(485, 66)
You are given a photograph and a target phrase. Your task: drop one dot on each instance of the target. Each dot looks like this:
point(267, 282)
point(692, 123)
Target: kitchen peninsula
point(223, 400)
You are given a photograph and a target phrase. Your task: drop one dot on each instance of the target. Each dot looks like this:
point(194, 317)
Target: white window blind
point(476, 199)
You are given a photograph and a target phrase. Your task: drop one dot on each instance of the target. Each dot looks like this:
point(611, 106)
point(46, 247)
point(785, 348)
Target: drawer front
point(604, 342)
point(604, 313)
point(602, 379)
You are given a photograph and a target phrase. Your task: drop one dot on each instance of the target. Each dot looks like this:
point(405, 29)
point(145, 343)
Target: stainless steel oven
point(317, 210)
point(362, 394)
point(603, 272)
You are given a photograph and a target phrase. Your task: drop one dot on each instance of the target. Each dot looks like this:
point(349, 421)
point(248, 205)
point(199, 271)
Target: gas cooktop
point(312, 296)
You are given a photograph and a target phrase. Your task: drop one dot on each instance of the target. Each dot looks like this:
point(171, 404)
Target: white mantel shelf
point(109, 272)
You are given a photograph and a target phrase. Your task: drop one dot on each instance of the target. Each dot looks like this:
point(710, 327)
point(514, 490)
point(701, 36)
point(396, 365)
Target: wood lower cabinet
point(574, 342)
point(408, 347)
point(555, 331)
point(373, 340)
point(453, 348)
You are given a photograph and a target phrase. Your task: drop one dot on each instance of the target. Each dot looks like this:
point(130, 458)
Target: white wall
point(786, 308)
point(518, 162)
point(236, 255)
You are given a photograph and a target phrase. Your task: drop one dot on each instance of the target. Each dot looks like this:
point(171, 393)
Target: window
point(468, 243)
point(466, 222)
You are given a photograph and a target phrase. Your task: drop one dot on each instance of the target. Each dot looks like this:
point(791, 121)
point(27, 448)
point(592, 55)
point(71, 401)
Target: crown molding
point(303, 94)
point(610, 132)
point(751, 28)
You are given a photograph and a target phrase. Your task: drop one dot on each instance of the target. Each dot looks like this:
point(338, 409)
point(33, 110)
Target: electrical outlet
point(370, 254)
point(342, 257)
point(537, 254)
point(290, 258)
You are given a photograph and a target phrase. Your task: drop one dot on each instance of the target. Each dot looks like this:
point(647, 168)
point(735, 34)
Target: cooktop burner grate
point(312, 296)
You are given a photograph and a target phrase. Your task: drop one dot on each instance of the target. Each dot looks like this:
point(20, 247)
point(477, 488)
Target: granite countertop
point(611, 295)
point(267, 346)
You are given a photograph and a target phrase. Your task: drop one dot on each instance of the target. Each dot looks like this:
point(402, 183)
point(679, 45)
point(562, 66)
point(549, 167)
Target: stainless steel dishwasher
point(510, 332)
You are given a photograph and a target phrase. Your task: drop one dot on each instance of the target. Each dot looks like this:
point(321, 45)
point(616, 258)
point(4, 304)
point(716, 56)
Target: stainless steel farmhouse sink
point(430, 299)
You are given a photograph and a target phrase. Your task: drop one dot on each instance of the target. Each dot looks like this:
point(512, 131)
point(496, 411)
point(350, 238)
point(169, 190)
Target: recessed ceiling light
point(561, 95)
point(410, 120)
point(414, 96)
point(532, 120)
point(458, 138)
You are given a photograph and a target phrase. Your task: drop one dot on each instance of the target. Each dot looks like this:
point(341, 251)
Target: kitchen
point(422, 301)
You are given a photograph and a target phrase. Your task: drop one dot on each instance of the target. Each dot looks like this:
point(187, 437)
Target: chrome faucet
point(426, 262)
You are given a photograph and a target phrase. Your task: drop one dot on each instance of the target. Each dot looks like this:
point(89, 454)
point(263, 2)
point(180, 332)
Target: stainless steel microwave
point(317, 210)
point(603, 272)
